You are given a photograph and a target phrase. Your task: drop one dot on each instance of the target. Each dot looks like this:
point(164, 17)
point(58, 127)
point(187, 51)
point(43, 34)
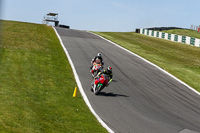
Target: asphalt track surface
point(142, 98)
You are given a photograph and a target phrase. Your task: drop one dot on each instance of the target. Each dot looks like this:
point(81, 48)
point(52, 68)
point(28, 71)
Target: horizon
point(112, 15)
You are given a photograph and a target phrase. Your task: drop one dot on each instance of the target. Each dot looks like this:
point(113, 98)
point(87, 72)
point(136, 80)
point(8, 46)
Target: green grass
point(37, 83)
point(181, 60)
point(184, 32)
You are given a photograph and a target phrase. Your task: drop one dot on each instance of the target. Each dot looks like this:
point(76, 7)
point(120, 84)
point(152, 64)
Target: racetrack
point(141, 99)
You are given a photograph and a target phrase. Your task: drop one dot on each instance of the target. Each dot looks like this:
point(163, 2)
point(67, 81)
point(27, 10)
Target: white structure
point(51, 17)
point(171, 37)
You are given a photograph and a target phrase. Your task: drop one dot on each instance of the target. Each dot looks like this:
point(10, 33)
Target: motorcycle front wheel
point(95, 73)
point(97, 89)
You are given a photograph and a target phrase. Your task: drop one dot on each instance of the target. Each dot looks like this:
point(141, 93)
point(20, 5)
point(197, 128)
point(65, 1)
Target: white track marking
point(149, 63)
point(80, 86)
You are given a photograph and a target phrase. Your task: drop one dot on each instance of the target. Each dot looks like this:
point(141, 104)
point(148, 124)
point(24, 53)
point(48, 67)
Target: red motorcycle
point(99, 83)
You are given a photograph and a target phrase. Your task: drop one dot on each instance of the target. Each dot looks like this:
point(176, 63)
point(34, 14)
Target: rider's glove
point(98, 73)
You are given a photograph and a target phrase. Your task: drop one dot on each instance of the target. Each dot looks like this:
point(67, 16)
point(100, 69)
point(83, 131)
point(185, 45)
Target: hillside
point(37, 83)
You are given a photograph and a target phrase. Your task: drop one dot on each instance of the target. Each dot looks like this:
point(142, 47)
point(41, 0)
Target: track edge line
point(80, 86)
point(148, 62)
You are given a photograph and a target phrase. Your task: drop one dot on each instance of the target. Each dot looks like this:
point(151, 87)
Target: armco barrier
point(172, 37)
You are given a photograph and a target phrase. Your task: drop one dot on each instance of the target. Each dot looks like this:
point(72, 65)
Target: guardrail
point(172, 37)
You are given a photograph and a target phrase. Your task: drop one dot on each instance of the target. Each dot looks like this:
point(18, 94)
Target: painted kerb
point(172, 37)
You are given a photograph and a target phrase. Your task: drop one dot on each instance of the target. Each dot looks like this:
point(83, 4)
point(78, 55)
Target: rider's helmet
point(109, 69)
point(98, 61)
point(99, 55)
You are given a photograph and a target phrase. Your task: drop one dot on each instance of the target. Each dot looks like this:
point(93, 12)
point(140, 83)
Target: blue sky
point(106, 15)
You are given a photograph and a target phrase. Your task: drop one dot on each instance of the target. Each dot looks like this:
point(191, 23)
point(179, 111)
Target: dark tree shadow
point(110, 94)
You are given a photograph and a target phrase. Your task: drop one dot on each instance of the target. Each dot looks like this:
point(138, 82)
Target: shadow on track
point(110, 94)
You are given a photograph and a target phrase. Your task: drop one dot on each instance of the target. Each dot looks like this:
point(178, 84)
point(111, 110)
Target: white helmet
point(99, 55)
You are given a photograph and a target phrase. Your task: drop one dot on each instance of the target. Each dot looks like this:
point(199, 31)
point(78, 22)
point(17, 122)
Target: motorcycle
point(96, 69)
point(99, 83)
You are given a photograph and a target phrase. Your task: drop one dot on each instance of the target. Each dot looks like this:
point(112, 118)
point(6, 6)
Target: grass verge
point(181, 60)
point(37, 83)
point(184, 32)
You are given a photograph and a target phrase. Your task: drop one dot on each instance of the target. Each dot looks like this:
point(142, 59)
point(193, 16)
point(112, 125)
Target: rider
point(98, 61)
point(99, 56)
point(107, 72)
